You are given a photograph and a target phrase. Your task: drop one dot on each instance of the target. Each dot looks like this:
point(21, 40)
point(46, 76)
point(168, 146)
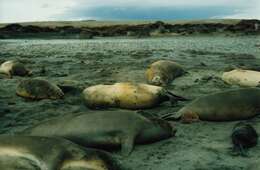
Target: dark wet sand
point(81, 63)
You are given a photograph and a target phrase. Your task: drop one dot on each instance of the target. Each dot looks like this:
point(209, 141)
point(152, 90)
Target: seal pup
point(105, 129)
point(243, 136)
point(127, 96)
point(14, 68)
point(37, 89)
point(43, 153)
point(244, 78)
point(163, 72)
point(229, 105)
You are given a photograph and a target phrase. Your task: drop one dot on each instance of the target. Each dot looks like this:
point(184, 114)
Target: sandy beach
point(82, 63)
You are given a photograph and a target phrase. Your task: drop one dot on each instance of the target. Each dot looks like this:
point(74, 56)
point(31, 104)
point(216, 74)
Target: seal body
point(14, 68)
point(229, 105)
point(37, 89)
point(126, 95)
point(244, 78)
point(31, 153)
point(243, 136)
point(105, 129)
point(163, 72)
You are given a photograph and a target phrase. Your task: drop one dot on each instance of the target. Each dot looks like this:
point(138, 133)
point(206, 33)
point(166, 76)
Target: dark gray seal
point(37, 89)
point(42, 153)
point(243, 136)
point(106, 129)
point(14, 68)
point(229, 105)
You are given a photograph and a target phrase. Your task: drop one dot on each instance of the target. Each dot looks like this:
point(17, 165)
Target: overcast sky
point(49, 10)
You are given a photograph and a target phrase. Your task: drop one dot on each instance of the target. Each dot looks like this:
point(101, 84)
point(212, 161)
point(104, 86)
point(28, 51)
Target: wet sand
point(81, 63)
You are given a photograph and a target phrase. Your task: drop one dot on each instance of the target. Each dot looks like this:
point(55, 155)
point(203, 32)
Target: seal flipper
point(239, 150)
point(127, 145)
point(8, 75)
point(173, 97)
point(172, 116)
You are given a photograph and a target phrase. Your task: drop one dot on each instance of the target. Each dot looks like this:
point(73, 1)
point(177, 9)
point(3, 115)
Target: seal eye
point(189, 117)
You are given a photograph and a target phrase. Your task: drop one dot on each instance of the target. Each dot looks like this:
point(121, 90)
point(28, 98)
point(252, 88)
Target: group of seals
point(43, 153)
point(105, 129)
point(223, 106)
point(127, 95)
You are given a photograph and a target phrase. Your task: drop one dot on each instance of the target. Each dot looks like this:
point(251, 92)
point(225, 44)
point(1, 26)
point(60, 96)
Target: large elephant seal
point(14, 68)
point(37, 89)
point(229, 105)
point(127, 96)
point(244, 78)
point(105, 129)
point(43, 153)
point(162, 72)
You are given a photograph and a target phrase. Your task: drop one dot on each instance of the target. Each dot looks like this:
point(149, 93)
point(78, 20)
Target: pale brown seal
point(244, 78)
point(127, 96)
point(14, 68)
point(162, 72)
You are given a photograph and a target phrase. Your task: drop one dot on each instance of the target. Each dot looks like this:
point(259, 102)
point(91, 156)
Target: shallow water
point(83, 63)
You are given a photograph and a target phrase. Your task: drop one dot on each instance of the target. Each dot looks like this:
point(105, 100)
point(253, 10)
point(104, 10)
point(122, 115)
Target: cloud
point(32, 10)
point(148, 13)
point(42, 10)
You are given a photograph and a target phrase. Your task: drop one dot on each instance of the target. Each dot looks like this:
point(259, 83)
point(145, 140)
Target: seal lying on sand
point(245, 78)
point(11, 68)
point(243, 136)
point(37, 89)
point(162, 72)
point(105, 129)
point(224, 106)
point(31, 153)
point(127, 96)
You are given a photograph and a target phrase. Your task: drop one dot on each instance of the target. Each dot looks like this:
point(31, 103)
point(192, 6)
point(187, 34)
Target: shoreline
point(142, 30)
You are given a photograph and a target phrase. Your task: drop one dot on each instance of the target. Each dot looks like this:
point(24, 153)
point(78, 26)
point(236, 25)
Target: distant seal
point(14, 68)
point(37, 89)
point(243, 136)
point(229, 105)
point(127, 96)
point(244, 78)
point(162, 72)
point(105, 129)
point(31, 153)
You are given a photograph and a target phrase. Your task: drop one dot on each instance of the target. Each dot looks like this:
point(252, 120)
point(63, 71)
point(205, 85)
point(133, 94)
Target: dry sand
point(197, 146)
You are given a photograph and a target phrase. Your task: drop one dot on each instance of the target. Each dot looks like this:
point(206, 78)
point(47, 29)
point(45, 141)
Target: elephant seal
point(163, 72)
point(37, 89)
point(43, 153)
point(243, 136)
point(244, 78)
point(105, 129)
point(127, 96)
point(229, 105)
point(14, 68)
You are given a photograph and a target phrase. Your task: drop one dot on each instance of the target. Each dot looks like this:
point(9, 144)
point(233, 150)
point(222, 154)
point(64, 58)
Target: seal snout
point(157, 80)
